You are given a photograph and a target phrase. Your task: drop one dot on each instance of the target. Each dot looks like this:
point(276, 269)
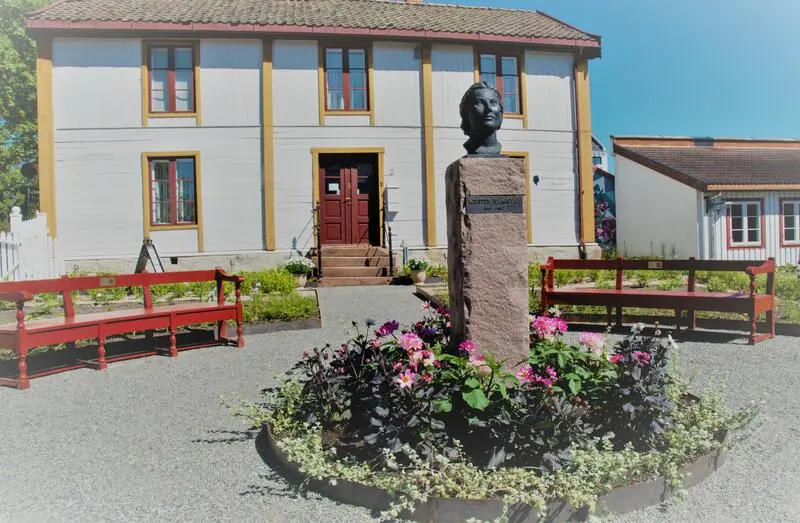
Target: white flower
point(554, 311)
point(671, 343)
point(637, 328)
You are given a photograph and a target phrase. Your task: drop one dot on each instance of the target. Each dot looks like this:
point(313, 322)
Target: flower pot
point(300, 280)
point(418, 276)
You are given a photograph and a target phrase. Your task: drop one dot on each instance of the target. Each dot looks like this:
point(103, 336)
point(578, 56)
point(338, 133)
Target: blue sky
point(727, 68)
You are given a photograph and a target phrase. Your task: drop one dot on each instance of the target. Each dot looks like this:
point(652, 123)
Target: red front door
point(345, 204)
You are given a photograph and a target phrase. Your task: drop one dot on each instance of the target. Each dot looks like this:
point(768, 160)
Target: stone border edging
point(447, 510)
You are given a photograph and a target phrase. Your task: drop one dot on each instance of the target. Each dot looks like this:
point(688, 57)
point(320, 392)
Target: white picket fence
point(28, 252)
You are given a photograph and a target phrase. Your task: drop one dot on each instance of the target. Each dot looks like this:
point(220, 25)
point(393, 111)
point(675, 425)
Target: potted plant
point(300, 268)
point(418, 269)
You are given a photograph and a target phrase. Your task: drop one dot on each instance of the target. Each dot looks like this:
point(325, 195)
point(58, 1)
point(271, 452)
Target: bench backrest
point(689, 265)
point(67, 285)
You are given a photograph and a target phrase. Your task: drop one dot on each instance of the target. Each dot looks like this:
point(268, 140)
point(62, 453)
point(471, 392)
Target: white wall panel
point(97, 83)
point(174, 243)
point(295, 90)
point(190, 121)
point(453, 71)
point(654, 212)
point(99, 188)
point(550, 91)
point(347, 121)
point(230, 81)
point(397, 84)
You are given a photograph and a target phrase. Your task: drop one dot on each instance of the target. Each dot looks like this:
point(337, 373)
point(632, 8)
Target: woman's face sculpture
point(485, 114)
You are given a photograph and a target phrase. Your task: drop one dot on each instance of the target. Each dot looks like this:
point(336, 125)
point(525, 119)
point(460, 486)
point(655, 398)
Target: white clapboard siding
point(28, 252)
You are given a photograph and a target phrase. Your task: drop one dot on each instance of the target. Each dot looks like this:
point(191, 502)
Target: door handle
point(347, 200)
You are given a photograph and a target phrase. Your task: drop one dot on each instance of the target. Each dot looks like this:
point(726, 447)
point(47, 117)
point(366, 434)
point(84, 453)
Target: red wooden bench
point(745, 302)
point(22, 335)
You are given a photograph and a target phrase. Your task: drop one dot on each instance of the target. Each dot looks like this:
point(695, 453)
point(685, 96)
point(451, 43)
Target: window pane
point(736, 223)
point(789, 235)
point(737, 236)
point(358, 100)
point(358, 80)
point(357, 59)
point(183, 58)
point(160, 191)
point(158, 101)
point(335, 100)
point(509, 65)
point(752, 222)
point(736, 209)
point(184, 80)
point(158, 91)
point(333, 58)
point(159, 58)
point(489, 78)
point(753, 236)
point(183, 101)
point(158, 80)
point(788, 208)
point(488, 64)
point(752, 209)
point(510, 102)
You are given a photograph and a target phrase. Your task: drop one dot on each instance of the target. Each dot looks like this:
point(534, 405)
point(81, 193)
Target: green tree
point(17, 109)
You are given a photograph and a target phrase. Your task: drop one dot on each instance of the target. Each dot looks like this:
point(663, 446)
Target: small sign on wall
point(489, 204)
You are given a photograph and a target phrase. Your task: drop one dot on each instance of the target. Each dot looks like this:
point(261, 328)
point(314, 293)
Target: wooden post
point(239, 314)
point(22, 349)
point(690, 287)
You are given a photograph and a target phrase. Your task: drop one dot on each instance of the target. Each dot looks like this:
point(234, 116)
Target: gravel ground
point(151, 440)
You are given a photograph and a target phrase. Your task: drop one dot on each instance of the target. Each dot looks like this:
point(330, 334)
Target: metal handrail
point(387, 240)
point(318, 234)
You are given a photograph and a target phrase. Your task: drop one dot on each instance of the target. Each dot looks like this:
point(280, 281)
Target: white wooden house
point(712, 198)
point(215, 128)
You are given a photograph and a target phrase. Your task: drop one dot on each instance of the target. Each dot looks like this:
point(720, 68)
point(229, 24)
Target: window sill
point(514, 116)
point(172, 115)
point(746, 246)
point(185, 227)
point(347, 113)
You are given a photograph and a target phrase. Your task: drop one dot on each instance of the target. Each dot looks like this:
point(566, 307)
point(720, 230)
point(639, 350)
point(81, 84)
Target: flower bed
point(403, 411)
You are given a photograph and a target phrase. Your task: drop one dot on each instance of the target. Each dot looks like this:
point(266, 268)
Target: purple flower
point(387, 328)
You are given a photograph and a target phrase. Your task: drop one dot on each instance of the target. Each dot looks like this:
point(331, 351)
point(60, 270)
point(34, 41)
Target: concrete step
point(328, 281)
point(353, 272)
point(353, 250)
point(354, 261)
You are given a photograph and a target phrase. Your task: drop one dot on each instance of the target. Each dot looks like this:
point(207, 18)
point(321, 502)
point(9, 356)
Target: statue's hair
point(467, 100)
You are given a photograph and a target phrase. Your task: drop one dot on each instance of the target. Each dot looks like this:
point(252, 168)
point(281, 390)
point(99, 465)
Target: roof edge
point(296, 30)
point(660, 168)
point(706, 141)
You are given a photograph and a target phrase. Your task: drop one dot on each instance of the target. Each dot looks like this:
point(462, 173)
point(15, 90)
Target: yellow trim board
point(526, 159)
point(46, 131)
point(321, 82)
point(198, 185)
point(428, 137)
point(585, 166)
point(268, 138)
point(316, 151)
point(146, 114)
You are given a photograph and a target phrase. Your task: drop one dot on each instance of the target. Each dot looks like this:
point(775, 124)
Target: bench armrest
point(224, 276)
point(16, 296)
point(765, 268)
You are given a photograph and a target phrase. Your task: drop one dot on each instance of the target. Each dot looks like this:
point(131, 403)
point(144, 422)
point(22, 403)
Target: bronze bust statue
point(481, 111)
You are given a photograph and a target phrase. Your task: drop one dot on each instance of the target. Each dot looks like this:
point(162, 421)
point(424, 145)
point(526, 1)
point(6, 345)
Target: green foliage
point(417, 264)
point(268, 281)
point(299, 265)
point(17, 108)
point(283, 307)
point(437, 271)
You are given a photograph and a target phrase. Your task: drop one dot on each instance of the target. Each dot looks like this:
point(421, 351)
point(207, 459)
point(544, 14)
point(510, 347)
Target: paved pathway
point(150, 439)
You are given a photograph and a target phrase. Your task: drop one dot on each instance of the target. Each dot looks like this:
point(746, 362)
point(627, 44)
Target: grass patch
point(283, 307)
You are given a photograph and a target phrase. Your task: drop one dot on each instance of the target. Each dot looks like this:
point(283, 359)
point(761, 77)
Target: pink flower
point(406, 380)
point(428, 357)
point(476, 360)
point(525, 374)
point(547, 328)
point(376, 343)
point(467, 345)
point(396, 366)
point(616, 359)
point(426, 305)
point(410, 341)
point(592, 341)
point(387, 328)
point(427, 378)
point(642, 358)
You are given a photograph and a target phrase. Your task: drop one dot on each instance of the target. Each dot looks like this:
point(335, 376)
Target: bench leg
point(221, 332)
point(753, 335)
point(101, 349)
point(677, 320)
point(619, 317)
point(771, 321)
point(173, 346)
point(609, 308)
point(691, 320)
point(239, 333)
point(23, 382)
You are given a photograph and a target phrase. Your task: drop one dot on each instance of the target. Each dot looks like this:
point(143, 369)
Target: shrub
point(284, 307)
point(268, 281)
point(300, 266)
point(417, 264)
point(437, 271)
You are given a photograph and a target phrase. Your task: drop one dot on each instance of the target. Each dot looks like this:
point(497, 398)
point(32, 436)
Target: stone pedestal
point(487, 255)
